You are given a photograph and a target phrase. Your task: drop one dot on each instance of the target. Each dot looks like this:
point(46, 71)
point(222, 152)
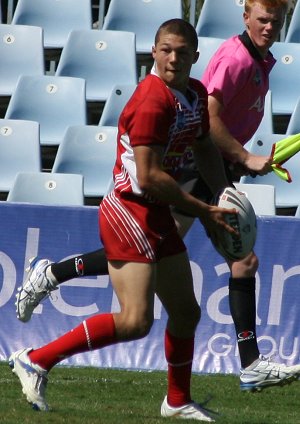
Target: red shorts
point(132, 230)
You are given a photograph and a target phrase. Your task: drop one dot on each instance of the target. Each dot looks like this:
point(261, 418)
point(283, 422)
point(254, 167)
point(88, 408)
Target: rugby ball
point(229, 245)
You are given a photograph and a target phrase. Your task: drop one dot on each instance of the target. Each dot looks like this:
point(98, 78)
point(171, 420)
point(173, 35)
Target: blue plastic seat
point(267, 123)
point(57, 18)
point(143, 17)
point(102, 58)
point(54, 102)
point(207, 46)
point(294, 122)
point(293, 32)
point(89, 150)
point(47, 189)
point(285, 77)
point(261, 196)
point(119, 96)
point(19, 150)
point(287, 195)
point(221, 19)
point(21, 52)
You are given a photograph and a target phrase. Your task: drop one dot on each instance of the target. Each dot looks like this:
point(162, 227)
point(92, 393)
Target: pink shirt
point(238, 77)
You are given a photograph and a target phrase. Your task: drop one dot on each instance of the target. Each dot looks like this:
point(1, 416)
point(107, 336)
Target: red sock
point(93, 333)
point(179, 354)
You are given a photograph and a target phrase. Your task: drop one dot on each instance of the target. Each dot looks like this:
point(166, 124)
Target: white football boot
point(190, 411)
point(34, 289)
point(266, 373)
point(32, 377)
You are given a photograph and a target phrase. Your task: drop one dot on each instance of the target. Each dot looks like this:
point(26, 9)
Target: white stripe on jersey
point(125, 226)
point(129, 166)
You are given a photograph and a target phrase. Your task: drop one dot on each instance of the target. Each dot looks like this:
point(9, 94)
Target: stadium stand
point(293, 32)
point(19, 150)
point(115, 103)
point(287, 194)
point(261, 196)
point(141, 17)
point(55, 102)
point(47, 189)
point(285, 77)
point(21, 52)
point(56, 18)
point(294, 122)
point(102, 57)
point(89, 150)
point(221, 22)
point(207, 46)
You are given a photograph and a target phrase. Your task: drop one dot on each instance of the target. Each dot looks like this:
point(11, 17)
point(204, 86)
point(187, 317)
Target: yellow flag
point(282, 151)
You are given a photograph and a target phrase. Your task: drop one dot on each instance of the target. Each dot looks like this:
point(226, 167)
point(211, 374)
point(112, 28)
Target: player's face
point(174, 57)
point(264, 25)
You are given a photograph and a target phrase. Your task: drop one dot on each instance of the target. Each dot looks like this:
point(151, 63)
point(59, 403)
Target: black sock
point(243, 311)
point(92, 263)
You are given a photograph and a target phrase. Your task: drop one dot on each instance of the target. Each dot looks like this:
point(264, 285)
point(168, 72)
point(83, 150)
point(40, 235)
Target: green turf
point(93, 395)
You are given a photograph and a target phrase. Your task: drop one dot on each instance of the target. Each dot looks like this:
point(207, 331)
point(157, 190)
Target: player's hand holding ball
point(230, 245)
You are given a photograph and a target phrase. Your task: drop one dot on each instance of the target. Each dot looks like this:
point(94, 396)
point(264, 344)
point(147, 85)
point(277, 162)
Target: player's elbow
point(146, 182)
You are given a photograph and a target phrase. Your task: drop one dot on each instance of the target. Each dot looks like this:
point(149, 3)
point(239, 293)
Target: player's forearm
point(227, 144)
point(165, 189)
point(210, 164)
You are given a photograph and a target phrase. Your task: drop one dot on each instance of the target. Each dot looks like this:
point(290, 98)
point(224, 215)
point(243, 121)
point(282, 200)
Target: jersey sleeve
point(149, 115)
point(224, 78)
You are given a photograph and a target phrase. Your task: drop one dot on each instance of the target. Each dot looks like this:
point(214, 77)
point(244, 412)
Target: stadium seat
point(261, 196)
point(54, 102)
point(89, 150)
point(293, 32)
point(57, 18)
point(115, 103)
point(19, 150)
point(143, 17)
point(221, 19)
point(21, 52)
point(287, 195)
point(294, 122)
point(267, 125)
point(47, 189)
point(102, 58)
point(285, 77)
point(207, 46)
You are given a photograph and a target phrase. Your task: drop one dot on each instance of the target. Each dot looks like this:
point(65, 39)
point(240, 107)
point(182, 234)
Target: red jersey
point(157, 115)
point(134, 227)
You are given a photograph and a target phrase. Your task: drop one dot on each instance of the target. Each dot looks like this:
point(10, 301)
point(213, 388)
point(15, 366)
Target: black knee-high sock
point(92, 263)
point(243, 311)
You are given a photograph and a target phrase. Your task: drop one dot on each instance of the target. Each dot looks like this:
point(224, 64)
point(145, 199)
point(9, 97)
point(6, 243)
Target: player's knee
point(187, 320)
point(194, 315)
point(137, 327)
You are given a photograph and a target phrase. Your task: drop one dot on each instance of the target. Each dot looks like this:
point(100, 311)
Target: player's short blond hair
point(284, 4)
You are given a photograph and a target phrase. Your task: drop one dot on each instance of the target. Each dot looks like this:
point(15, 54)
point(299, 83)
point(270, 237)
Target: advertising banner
point(58, 233)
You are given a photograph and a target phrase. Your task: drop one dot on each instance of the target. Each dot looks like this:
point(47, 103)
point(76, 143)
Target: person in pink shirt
point(237, 80)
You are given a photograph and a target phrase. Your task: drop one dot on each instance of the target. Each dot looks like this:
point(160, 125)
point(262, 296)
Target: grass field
point(93, 395)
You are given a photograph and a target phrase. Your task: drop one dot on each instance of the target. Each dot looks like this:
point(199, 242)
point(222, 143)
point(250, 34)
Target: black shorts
point(193, 183)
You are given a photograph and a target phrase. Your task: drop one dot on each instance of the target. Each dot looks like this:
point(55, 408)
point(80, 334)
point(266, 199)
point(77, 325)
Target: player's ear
point(196, 57)
point(153, 52)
